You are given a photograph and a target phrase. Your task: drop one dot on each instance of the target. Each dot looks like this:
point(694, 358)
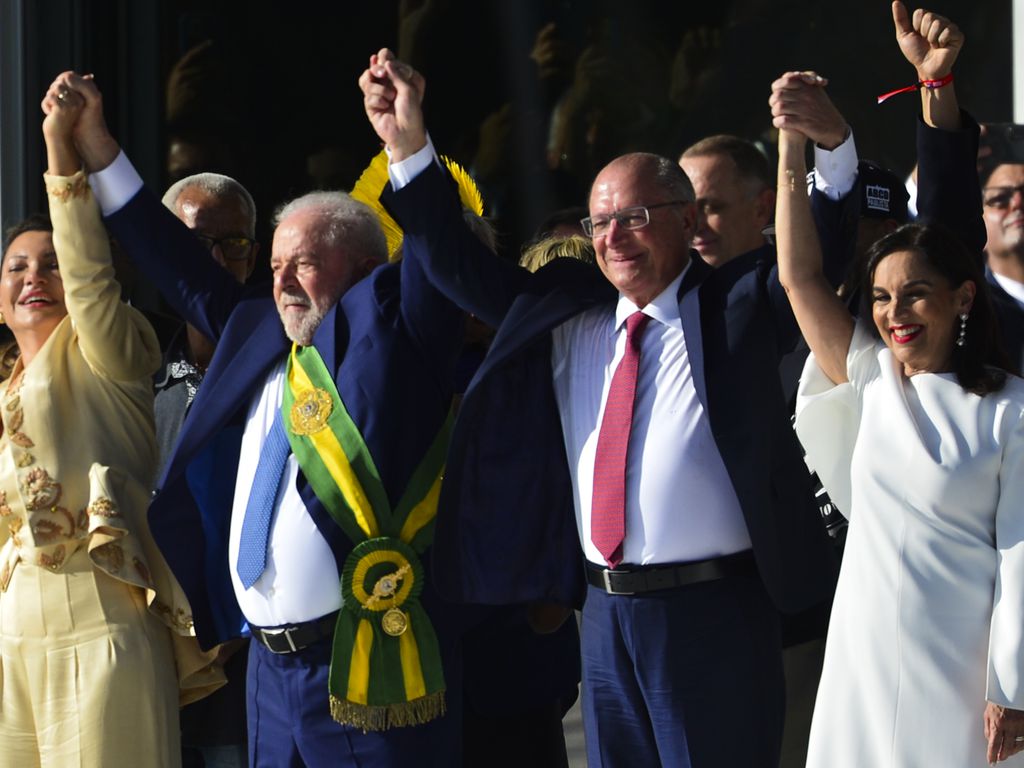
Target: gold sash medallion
point(310, 411)
point(386, 669)
point(394, 622)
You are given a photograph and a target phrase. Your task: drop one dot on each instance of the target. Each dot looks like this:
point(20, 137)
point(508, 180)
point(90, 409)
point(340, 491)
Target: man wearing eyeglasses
point(1003, 200)
point(222, 214)
point(627, 430)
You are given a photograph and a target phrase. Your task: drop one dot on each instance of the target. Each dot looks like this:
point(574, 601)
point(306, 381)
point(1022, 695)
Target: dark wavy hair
point(37, 222)
point(981, 364)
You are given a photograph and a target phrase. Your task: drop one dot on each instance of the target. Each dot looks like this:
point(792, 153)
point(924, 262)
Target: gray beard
point(301, 330)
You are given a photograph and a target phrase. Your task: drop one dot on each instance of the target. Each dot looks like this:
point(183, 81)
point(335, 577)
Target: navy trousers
point(689, 677)
point(290, 724)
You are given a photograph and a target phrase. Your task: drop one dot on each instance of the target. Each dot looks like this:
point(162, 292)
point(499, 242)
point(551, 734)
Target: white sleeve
point(404, 171)
point(1006, 635)
point(835, 171)
point(828, 416)
point(116, 184)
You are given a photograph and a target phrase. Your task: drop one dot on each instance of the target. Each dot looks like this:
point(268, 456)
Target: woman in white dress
point(920, 438)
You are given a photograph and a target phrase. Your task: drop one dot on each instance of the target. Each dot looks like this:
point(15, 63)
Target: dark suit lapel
point(530, 318)
point(695, 275)
point(326, 339)
point(689, 310)
point(229, 386)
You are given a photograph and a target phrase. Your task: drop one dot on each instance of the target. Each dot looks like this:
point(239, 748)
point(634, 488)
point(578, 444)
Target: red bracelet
point(922, 84)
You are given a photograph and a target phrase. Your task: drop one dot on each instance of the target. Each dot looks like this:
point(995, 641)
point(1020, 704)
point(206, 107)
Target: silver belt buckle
point(286, 631)
point(608, 583)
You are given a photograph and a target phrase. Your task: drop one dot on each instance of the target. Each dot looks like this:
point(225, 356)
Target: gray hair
point(215, 184)
point(670, 177)
point(665, 173)
point(349, 223)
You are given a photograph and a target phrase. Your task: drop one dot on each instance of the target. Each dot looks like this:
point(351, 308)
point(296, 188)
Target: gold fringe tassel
point(373, 718)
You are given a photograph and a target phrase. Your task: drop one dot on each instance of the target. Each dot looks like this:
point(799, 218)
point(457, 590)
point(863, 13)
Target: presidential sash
point(385, 662)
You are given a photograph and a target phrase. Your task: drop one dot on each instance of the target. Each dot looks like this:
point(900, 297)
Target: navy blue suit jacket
point(391, 342)
point(1010, 315)
point(506, 521)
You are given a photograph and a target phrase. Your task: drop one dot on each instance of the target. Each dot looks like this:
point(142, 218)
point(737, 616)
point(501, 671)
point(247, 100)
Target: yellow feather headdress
point(373, 180)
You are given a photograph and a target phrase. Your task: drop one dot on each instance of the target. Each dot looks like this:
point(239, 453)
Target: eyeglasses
point(634, 217)
point(231, 248)
point(1000, 197)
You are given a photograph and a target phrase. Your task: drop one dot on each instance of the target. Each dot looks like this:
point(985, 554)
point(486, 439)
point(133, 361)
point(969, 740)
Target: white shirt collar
point(1011, 286)
point(664, 308)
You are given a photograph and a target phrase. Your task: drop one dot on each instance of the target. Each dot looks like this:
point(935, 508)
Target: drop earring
point(962, 338)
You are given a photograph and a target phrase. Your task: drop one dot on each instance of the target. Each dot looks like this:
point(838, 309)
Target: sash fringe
point(381, 718)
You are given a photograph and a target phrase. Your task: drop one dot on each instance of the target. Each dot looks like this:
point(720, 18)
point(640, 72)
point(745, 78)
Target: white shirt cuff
point(911, 186)
point(116, 184)
point(404, 171)
point(835, 171)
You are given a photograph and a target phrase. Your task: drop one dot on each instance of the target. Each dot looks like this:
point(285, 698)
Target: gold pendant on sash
point(310, 411)
point(394, 622)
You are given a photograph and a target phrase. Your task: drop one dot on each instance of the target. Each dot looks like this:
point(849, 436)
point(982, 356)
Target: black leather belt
point(296, 636)
point(632, 581)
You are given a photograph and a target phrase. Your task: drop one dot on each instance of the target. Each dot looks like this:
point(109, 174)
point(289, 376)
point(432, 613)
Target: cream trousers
point(87, 675)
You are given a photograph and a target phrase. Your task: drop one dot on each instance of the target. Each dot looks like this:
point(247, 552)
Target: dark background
point(266, 91)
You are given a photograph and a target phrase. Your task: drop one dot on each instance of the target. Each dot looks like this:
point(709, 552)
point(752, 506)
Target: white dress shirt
point(301, 579)
point(680, 502)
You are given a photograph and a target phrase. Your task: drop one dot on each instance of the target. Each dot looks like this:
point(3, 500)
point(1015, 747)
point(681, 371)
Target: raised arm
point(115, 339)
point(437, 239)
point(799, 102)
point(931, 43)
point(947, 141)
point(165, 250)
point(800, 98)
point(822, 317)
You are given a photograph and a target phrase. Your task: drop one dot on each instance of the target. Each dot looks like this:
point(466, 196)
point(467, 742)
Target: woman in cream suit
point(93, 631)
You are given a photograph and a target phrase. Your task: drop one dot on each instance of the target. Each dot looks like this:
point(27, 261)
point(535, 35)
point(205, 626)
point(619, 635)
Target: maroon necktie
point(608, 505)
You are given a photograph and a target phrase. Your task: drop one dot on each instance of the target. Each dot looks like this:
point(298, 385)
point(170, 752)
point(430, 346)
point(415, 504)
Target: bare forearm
point(98, 150)
point(798, 248)
point(61, 157)
point(940, 108)
point(822, 318)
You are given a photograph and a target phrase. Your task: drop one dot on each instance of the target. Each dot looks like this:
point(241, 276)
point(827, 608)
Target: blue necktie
point(252, 547)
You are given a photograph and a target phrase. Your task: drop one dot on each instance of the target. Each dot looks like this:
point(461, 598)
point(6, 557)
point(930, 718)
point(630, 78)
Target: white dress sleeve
point(1006, 635)
point(828, 415)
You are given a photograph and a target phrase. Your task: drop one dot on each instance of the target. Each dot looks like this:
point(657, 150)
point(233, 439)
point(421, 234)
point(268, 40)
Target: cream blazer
point(78, 448)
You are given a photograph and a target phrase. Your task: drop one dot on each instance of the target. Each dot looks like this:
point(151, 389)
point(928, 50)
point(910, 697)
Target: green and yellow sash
point(385, 664)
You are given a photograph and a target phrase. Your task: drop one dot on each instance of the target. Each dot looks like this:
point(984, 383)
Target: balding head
point(222, 213)
point(642, 218)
